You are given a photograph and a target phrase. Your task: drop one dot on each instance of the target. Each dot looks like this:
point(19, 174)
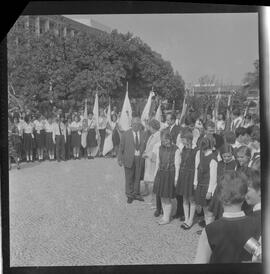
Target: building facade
point(59, 24)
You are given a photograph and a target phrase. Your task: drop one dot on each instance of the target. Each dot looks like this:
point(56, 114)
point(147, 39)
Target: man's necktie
point(60, 129)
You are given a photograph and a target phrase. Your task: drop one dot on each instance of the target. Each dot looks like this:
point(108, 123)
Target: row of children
point(76, 136)
point(191, 164)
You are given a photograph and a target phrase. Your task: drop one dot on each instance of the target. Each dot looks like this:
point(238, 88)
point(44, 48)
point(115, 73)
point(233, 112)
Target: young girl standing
point(76, 127)
point(205, 177)
point(167, 171)
point(49, 138)
point(28, 138)
point(227, 164)
point(184, 185)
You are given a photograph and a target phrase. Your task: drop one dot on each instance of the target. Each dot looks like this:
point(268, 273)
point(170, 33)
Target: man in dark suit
point(174, 130)
point(132, 146)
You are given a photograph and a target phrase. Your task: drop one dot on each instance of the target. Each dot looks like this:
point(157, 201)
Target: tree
point(63, 71)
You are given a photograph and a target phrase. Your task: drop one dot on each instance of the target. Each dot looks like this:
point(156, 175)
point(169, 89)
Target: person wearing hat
point(150, 159)
point(132, 146)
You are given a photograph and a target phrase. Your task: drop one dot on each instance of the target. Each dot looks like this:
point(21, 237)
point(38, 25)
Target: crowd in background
point(212, 170)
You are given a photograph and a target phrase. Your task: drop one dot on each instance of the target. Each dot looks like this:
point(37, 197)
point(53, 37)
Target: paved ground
point(75, 213)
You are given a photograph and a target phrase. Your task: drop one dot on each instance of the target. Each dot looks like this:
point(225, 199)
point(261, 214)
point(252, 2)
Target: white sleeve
point(213, 176)
point(177, 161)
point(197, 162)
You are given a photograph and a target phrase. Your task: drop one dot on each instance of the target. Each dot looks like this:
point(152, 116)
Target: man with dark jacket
point(132, 146)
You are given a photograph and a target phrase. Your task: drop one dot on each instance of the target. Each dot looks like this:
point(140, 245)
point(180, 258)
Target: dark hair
point(240, 131)
point(207, 142)
point(232, 188)
point(223, 115)
point(254, 179)
point(226, 148)
point(245, 150)
point(91, 112)
point(236, 112)
point(230, 137)
point(173, 116)
point(186, 134)
point(249, 130)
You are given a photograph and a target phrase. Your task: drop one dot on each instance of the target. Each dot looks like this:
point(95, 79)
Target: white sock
point(186, 211)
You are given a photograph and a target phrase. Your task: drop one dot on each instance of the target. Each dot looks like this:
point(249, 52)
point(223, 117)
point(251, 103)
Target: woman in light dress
point(150, 157)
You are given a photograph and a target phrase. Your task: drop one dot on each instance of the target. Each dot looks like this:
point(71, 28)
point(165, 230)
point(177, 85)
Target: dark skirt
point(115, 138)
point(164, 184)
point(91, 138)
point(17, 144)
point(200, 195)
point(75, 139)
point(28, 142)
point(184, 185)
point(215, 206)
point(49, 141)
point(40, 139)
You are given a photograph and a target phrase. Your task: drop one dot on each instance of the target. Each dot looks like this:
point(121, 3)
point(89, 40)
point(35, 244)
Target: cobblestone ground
point(75, 213)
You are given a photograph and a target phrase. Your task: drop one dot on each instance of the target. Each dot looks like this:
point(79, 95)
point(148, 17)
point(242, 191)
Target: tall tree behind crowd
point(63, 71)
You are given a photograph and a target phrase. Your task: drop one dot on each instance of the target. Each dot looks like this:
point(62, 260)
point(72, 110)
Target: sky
point(221, 44)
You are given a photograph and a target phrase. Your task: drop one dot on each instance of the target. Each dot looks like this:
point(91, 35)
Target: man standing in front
point(132, 146)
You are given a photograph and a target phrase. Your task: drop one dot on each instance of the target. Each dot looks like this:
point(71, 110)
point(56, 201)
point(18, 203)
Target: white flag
point(158, 113)
point(95, 109)
point(126, 114)
point(145, 113)
point(84, 133)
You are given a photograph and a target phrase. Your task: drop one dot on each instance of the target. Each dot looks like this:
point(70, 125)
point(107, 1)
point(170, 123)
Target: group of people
point(211, 172)
point(34, 137)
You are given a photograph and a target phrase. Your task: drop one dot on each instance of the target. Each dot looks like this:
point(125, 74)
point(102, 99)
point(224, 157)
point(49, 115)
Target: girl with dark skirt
point(227, 164)
point(17, 138)
point(49, 138)
point(40, 136)
point(92, 135)
point(166, 174)
point(223, 241)
point(205, 176)
point(28, 139)
point(12, 132)
point(76, 127)
point(184, 185)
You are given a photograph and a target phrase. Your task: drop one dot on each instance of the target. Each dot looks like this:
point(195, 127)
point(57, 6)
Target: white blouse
point(48, 127)
point(28, 128)
point(39, 125)
point(92, 123)
point(102, 122)
point(75, 126)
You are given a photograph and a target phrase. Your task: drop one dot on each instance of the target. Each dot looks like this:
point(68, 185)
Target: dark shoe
point(139, 198)
point(199, 232)
point(175, 216)
point(186, 227)
point(157, 213)
point(18, 167)
point(182, 218)
point(129, 200)
point(202, 223)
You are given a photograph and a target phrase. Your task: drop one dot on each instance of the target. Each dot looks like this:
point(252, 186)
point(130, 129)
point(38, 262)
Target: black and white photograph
point(134, 139)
